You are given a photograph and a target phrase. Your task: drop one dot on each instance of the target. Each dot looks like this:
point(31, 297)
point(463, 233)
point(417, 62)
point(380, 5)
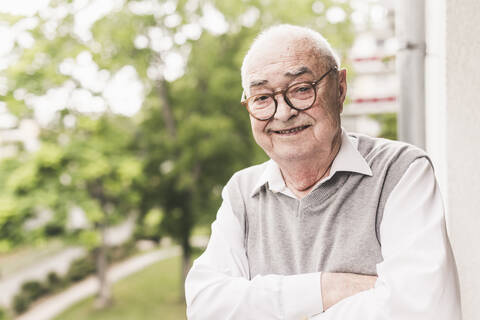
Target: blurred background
point(120, 122)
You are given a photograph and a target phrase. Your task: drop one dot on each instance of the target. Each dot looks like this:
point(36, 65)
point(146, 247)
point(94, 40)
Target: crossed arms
point(416, 280)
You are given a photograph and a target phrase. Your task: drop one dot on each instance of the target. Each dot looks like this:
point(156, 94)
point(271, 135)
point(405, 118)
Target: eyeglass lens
point(300, 96)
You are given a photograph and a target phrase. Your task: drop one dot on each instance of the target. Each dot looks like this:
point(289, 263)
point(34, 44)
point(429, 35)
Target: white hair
point(319, 43)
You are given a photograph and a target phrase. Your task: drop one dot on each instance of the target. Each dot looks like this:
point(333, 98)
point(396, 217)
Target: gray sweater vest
point(335, 228)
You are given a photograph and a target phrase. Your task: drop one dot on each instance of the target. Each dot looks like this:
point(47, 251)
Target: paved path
point(54, 305)
point(58, 263)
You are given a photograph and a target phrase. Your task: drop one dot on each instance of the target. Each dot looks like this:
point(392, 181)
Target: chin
point(290, 154)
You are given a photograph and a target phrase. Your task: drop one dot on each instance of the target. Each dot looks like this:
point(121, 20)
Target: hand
point(338, 286)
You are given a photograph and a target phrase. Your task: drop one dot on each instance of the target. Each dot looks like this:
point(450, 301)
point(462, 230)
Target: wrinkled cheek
point(332, 112)
point(261, 138)
point(264, 141)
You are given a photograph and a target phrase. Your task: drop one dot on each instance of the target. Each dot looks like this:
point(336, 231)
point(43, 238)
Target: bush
point(29, 292)
point(33, 289)
point(81, 268)
point(20, 303)
point(54, 282)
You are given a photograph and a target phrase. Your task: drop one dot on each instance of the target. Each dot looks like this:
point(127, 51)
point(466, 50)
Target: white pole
point(410, 31)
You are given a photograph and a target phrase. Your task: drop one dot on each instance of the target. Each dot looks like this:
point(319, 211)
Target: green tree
point(85, 160)
point(89, 166)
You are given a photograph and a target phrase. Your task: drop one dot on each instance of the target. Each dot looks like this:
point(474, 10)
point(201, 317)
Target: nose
point(284, 111)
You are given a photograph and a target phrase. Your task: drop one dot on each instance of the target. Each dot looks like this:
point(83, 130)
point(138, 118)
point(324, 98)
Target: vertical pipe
point(410, 31)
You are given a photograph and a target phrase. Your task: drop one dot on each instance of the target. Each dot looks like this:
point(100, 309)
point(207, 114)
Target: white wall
point(453, 130)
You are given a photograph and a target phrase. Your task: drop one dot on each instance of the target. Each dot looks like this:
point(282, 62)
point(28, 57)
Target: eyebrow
point(290, 74)
point(298, 72)
point(257, 83)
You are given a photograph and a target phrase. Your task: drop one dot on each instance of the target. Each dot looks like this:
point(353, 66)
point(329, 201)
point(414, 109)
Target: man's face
point(275, 67)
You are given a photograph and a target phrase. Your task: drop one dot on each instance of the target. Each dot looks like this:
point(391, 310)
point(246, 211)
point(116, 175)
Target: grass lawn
point(153, 293)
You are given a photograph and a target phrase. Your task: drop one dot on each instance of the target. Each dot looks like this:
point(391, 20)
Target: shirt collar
point(347, 159)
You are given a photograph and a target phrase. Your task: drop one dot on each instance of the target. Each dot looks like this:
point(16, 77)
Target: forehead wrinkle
point(294, 59)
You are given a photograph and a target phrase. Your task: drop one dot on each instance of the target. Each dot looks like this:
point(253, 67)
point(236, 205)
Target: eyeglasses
point(299, 96)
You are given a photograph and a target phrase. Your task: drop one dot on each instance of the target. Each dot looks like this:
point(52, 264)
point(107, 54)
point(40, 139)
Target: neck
point(301, 175)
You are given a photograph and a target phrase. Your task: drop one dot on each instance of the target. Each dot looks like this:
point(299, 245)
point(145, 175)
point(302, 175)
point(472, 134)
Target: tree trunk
point(188, 226)
point(166, 109)
point(186, 264)
point(104, 296)
point(187, 211)
point(186, 232)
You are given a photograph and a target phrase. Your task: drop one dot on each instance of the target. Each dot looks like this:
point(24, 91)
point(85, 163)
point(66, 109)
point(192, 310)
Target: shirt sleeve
point(219, 286)
point(417, 279)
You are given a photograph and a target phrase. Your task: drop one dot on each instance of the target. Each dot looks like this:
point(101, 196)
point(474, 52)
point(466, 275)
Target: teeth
point(291, 130)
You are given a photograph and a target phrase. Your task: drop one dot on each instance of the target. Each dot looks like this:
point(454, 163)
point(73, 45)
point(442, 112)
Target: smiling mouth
point(291, 131)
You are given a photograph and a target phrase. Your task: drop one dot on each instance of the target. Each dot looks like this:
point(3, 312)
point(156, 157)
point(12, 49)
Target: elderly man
point(336, 226)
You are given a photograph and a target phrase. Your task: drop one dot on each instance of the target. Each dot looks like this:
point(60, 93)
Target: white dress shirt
point(416, 280)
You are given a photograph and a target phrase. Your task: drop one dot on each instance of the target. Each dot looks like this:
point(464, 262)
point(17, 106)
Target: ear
point(342, 88)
